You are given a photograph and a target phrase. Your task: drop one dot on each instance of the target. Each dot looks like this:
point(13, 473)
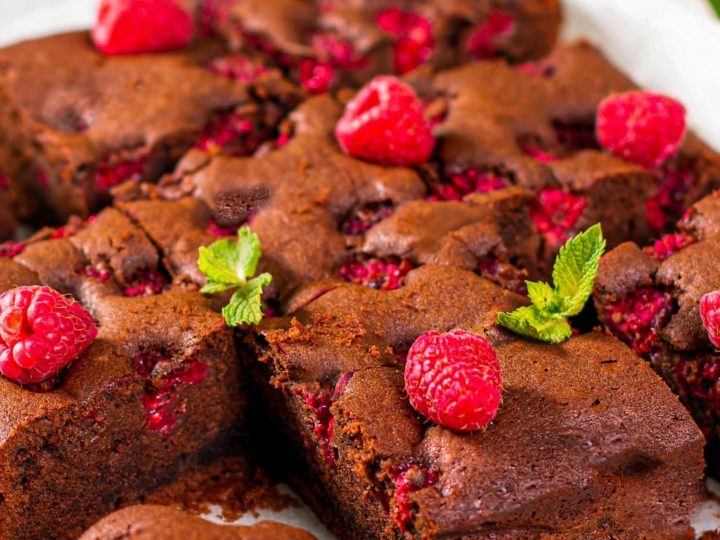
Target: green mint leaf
point(218, 263)
point(716, 6)
point(245, 306)
point(231, 264)
point(248, 253)
point(532, 322)
point(576, 268)
point(574, 274)
point(541, 295)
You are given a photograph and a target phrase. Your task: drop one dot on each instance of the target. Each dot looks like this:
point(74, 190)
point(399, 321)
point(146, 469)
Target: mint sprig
point(229, 264)
point(574, 274)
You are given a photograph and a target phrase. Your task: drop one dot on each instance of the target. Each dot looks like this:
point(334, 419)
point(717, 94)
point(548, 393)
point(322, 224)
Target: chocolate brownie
point(158, 391)
point(359, 215)
point(151, 522)
point(588, 441)
point(650, 299)
point(533, 126)
point(75, 124)
point(7, 216)
point(326, 43)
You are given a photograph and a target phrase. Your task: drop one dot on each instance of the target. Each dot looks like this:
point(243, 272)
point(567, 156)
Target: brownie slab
point(76, 124)
point(533, 126)
point(158, 391)
point(588, 441)
point(650, 297)
point(152, 522)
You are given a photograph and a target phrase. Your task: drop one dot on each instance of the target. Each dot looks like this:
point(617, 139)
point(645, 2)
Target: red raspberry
point(381, 274)
point(384, 123)
point(141, 26)
point(454, 379)
point(710, 313)
point(41, 332)
point(637, 318)
point(641, 127)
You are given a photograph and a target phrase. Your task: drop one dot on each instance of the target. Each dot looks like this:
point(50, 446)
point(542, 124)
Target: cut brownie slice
point(7, 215)
point(325, 43)
point(152, 522)
point(533, 126)
point(650, 298)
point(158, 391)
point(76, 124)
point(588, 442)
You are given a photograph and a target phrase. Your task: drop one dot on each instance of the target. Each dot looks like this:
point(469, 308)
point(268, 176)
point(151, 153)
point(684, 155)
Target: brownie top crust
point(93, 105)
point(153, 522)
point(578, 404)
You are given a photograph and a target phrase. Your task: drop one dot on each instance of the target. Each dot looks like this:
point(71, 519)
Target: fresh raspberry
point(385, 124)
point(108, 176)
point(384, 275)
point(41, 332)
point(454, 379)
point(710, 313)
point(414, 41)
point(555, 212)
point(457, 184)
point(237, 67)
point(669, 244)
point(141, 26)
point(637, 318)
point(641, 127)
point(482, 42)
point(362, 218)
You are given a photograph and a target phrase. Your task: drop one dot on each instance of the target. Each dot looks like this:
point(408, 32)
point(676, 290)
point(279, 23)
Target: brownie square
point(650, 298)
point(76, 124)
point(588, 441)
point(325, 44)
point(158, 391)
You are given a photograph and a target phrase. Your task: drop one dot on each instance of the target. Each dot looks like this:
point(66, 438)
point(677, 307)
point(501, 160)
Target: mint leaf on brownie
point(229, 264)
point(574, 274)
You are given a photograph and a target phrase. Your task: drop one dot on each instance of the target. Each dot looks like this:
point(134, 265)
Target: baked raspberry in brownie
point(650, 298)
point(534, 126)
point(326, 43)
point(157, 391)
point(588, 441)
point(152, 522)
point(369, 224)
point(76, 124)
